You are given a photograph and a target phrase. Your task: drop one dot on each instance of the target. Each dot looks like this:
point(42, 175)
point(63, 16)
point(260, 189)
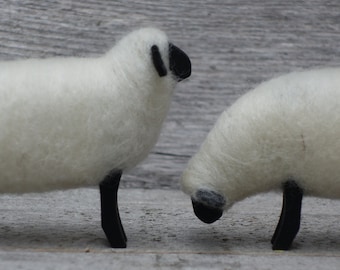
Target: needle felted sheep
point(283, 134)
point(77, 122)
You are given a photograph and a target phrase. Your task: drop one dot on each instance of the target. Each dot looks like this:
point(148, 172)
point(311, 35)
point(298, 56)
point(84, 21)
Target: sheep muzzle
point(208, 205)
point(180, 64)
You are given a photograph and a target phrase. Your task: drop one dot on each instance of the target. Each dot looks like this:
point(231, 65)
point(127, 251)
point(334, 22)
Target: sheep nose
point(208, 205)
point(180, 63)
point(205, 213)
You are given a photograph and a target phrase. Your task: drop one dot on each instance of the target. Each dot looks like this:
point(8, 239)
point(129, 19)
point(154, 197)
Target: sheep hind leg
point(111, 222)
point(289, 222)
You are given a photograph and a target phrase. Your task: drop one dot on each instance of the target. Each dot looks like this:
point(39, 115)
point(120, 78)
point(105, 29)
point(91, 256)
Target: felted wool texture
point(286, 128)
point(66, 122)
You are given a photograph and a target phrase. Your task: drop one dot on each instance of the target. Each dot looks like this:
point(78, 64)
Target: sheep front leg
point(111, 222)
point(289, 222)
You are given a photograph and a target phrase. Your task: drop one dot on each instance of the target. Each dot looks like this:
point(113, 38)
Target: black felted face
point(208, 205)
point(179, 62)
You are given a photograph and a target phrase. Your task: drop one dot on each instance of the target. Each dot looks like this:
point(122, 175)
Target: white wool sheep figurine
point(283, 134)
point(77, 122)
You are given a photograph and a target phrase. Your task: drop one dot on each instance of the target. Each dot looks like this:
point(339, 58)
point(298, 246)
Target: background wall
point(233, 44)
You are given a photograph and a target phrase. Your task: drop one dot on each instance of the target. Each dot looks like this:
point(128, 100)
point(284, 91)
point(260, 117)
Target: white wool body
point(286, 128)
point(66, 122)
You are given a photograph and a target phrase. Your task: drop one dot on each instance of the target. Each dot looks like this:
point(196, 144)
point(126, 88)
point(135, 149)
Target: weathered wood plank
point(233, 44)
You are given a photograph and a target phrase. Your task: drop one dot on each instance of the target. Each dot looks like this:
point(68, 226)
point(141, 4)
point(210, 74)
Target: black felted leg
point(289, 222)
point(111, 222)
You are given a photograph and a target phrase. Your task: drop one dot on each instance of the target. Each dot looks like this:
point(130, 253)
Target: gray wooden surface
point(233, 45)
point(61, 230)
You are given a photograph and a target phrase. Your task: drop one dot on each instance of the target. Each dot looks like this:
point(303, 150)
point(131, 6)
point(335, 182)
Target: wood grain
point(233, 45)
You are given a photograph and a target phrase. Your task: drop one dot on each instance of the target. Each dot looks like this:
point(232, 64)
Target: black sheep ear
point(158, 61)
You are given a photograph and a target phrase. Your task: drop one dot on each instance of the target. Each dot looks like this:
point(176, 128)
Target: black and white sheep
point(77, 122)
point(283, 134)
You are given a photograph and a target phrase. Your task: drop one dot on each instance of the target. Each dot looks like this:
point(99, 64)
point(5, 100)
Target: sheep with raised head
point(283, 134)
point(77, 122)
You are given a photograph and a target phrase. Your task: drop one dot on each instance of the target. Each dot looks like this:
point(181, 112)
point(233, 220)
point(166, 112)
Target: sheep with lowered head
point(283, 134)
point(77, 122)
